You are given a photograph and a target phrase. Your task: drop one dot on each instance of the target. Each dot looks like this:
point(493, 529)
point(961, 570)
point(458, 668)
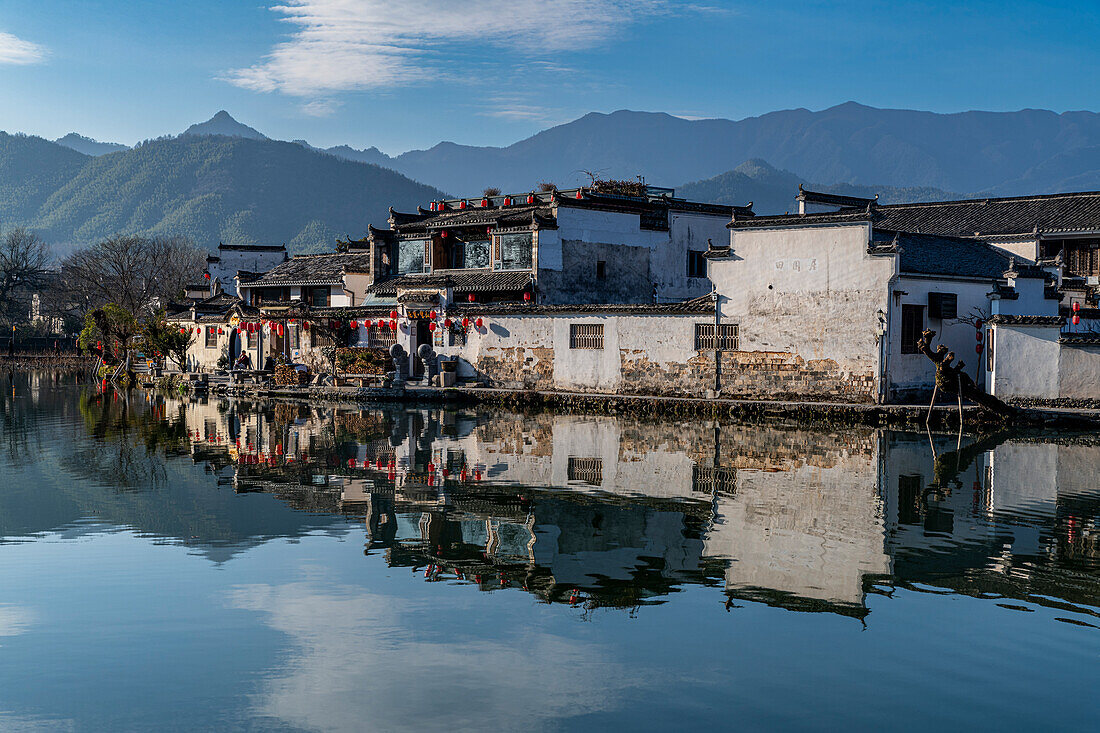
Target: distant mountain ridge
point(1001, 152)
point(88, 146)
point(223, 124)
point(773, 191)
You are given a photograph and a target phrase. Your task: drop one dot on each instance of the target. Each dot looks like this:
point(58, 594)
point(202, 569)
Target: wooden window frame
point(729, 337)
point(586, 336)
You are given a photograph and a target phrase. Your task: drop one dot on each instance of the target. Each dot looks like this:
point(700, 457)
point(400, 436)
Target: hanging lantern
point(336, 323)
point(979, 335)
point(432, 315)
point(220, 331)
point(305, 325)
point(443, 234)
point(462, 204)
point(978, 324)
point(978, 348)
point(280, 329)
point(353, 324)
point(465, 322)
point(530, 198)
point(479, 322)
point(393, 315)
point(367, 324)
point(579, 194)
point(484, 202)
point(489, 230)
point(431, 326)
point(393, 325)
point(472, 298)
point(447, 322)
point(527, 297)
point(431, 206)
point(1076, 319)
point(206, 275)
point(507, 200)
point(1076, 307)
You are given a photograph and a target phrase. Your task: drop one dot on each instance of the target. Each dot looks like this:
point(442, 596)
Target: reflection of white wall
point(812, 532)
point(353, 665)
point(15, 620)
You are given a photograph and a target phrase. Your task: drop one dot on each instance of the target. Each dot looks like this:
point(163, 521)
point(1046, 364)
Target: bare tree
point(23, 262)
point(137, 273)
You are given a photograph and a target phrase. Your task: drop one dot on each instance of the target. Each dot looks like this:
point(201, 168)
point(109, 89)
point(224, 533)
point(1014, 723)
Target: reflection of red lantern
point(472, 298)
point(431, 326)
point(479, 322)
point(465, 322)
point(447, 322)
point(354, 324)
point(393, 325)
point(393, 314)
point(432, 315)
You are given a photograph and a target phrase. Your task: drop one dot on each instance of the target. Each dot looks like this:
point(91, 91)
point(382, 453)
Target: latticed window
point(380, 338)
point(727, 337)
point(588, 470)
point(211, 337)
point(586, 335)
point(912, 325)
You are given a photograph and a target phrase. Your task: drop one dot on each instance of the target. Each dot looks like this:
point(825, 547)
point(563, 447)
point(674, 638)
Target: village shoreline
point(819, 414)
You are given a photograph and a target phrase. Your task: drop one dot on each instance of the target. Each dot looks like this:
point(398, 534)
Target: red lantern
point(484, 202)
point(366, 324)
point(206, 275)
point(354, 324)
point(1076, 307)
point(530, 198)
point(479, 322)
point(527, 297)
point(432, 315)
point(220, 331)
point(579, 194)
point(979, 335)
point(336, 323)
point(305, 325)
point(431, 326)
point(393, 314)
point(462, 204)
point(447, 322)
point(978, 324)
point(465, 322)
point(280, 329)
point(1076, 319)
point(507, 200)
point(978, 348)
point(443, 234)
point(472, 298)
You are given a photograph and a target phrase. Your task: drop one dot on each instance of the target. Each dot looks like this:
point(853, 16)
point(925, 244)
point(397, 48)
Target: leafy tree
point(108, 332)
point(23, 262)
point(161, 337)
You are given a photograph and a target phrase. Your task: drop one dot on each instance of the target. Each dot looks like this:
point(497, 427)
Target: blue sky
point(404, 74)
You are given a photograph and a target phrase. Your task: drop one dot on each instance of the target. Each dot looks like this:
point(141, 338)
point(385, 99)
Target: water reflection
point(590, 511)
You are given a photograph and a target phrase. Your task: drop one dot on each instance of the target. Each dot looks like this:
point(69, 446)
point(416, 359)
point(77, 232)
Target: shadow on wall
point(499, 330)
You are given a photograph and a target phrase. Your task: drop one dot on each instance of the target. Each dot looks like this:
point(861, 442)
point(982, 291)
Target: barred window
point(380, 338)
point(211, 337)
point(727, 337)
point(586, 335)
point(588, 470)
point(912, 325)
point(293, 335)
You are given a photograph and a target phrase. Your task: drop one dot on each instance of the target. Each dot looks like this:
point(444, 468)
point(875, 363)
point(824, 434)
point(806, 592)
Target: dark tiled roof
point(247, 276)
point(300, 309)
point(323, 269)
point(253, 247)
point(1026, 320)
point(216, 309)
point(844, 216)
point(497, 217)
point(473, 281)
point(927, 254)
point(1061, 212)
point(700, 305)
point(418, 296)
point(1080, 339)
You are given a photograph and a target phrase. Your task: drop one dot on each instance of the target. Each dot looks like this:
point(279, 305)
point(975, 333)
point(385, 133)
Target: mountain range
point(221, 180)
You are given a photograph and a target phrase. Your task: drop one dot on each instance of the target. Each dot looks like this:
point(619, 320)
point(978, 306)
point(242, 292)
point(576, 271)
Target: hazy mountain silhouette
point(88, 146)
point(851, 143)
point(223, 124)
point(773, 191)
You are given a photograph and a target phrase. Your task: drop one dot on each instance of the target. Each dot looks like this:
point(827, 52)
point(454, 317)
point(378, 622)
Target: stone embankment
point(810, 413)
point(27, 362)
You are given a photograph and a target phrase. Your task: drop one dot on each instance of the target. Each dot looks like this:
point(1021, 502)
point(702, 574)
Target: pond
point(178, 564)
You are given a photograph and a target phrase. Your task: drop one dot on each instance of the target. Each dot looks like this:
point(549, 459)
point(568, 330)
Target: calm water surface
point(196, 565)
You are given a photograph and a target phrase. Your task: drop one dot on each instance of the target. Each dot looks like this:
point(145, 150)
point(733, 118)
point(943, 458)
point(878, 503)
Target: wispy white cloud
point(320, 107)
point(14, 50)
point(347, 45)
